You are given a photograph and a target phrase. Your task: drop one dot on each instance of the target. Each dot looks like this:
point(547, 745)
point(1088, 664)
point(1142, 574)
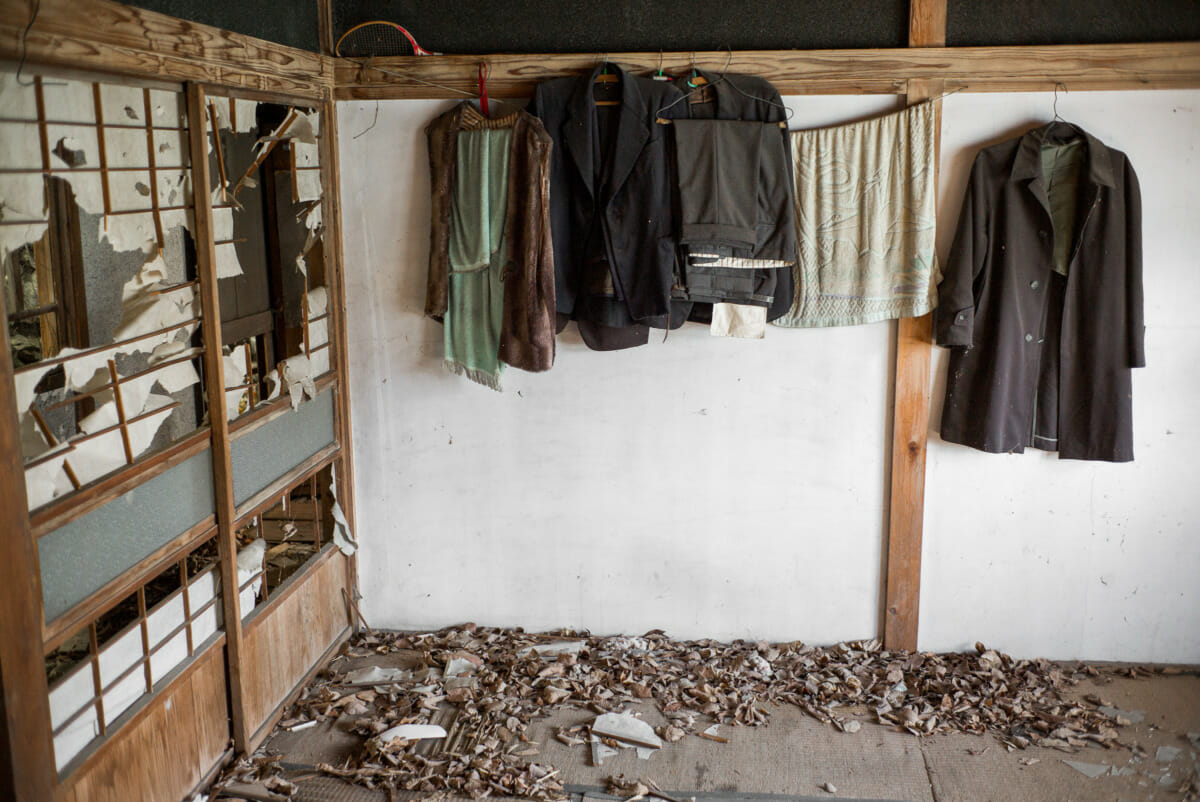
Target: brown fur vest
point(527, 330)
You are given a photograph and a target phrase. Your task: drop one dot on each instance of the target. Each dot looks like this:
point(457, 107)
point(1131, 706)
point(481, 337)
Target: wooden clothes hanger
point(606, 77)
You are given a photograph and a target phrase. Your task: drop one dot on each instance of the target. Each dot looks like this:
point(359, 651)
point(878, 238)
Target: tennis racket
point(378, 38)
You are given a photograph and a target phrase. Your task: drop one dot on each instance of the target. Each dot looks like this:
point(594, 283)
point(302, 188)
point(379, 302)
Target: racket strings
point(378, 39)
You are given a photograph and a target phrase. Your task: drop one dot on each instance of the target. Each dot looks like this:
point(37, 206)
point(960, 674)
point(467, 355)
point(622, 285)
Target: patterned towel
point(865, 221)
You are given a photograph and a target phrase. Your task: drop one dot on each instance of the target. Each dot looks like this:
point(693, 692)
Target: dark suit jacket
point(1009, 339)
point(633, 207)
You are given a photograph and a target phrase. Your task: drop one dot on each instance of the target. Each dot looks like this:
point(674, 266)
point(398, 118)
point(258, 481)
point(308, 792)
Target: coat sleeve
point(1135, 319)
point(954, 318)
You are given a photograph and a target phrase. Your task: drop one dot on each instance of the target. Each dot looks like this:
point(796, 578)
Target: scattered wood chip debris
point(492, 683)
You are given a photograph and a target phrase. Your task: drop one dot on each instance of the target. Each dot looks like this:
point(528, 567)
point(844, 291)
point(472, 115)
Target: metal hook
point(604, 65)
point(1064, 88)
point(660, 62)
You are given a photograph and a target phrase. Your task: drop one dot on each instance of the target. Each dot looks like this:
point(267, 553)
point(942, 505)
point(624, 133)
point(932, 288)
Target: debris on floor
point(1092, 770)
point(475, 691)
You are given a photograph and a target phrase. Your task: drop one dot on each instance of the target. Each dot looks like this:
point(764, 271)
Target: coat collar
point(1028, 163)
point(632, 131)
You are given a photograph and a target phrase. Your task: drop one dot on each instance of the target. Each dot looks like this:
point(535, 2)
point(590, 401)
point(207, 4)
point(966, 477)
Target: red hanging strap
point(484, 70)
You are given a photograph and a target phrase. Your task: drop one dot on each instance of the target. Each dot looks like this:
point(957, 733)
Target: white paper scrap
point(412, 732)
point(228, 265)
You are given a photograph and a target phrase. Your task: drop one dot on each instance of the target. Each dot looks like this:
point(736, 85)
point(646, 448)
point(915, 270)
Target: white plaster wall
point(1069, 559)
point(710, 487)
point(735, 489)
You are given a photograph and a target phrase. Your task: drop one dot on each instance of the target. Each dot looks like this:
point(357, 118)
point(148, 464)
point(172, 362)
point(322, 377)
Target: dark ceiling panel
point(530, 26)
point(1050, 22)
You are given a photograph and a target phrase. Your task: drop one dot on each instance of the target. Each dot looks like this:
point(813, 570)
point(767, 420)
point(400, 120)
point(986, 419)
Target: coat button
point(1028, 338)
point(1033, 285)
point(1043, 233)
point(961, 317)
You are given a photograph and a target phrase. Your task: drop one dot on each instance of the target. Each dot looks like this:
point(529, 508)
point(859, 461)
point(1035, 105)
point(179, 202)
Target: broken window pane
point(99, 276)
point(267, 195)
point(278, 542)
point(124, 653)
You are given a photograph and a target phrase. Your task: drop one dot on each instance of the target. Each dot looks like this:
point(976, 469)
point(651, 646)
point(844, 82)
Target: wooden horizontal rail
point(112, 37)
point(800, 72)
point(61, 511)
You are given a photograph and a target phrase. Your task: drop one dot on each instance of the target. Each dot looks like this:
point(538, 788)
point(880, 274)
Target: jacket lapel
point(581, 124)
point(632, 132)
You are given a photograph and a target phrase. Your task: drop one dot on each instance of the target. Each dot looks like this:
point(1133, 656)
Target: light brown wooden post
point(26, 746)
point(214, 386)
point(325, 26)
point(335, 325)
point(910, 417)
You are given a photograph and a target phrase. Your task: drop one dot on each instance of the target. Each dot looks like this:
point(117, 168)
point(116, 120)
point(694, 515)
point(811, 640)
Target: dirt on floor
point(520, 717)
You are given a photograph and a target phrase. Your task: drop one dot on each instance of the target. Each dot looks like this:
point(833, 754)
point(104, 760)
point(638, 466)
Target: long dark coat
point(633, 207)
point(1011, 338)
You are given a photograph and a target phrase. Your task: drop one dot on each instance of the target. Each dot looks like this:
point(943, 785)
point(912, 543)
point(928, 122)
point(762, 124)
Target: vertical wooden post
point(331, 178)
point(214, 387)
point(910, 418)
point(26, 745)
point(325, 26)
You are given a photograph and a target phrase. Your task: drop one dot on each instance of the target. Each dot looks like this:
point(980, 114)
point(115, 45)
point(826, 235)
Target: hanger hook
point(693, 62)
point(728, 60)
point(660, 62)
point(1057, 84)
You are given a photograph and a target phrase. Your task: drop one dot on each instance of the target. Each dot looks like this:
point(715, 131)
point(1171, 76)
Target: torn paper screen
point(228, 265)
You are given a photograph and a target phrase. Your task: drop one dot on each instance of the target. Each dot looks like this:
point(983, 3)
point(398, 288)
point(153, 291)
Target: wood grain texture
point(927, 23)
point(331, 177)
point(111, 37)
point(797, 72)
point(27, 753)
point(910, 417)
point(214, 390)
point(165, 747)
point(285, 641)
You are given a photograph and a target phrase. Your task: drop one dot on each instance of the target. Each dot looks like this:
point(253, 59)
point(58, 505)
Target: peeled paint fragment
point(458, 666)
point(628, 728)
point(412, 732)
point(1092, 770)
point(601, 751)
point(553, 649)
point(343, 538)
point(377, 675)
point(1165, 754)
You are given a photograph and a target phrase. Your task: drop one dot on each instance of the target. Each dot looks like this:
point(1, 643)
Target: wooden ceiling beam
point(799, 72)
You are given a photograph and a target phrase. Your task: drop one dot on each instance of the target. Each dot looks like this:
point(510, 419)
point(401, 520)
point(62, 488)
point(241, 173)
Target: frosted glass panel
point(268, 452)
point(81, 557)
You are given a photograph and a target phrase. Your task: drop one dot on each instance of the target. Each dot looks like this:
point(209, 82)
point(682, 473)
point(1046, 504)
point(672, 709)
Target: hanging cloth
point(865, 217)
point(476, 296)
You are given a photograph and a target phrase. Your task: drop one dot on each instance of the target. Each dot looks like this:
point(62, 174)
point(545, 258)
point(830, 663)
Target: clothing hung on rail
point(1041, 302)
point(491, 267)
point(734, 171)
point(613, 219)
point(865, 220)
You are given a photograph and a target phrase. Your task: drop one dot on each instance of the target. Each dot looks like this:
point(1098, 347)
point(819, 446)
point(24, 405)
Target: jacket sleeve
point(1135, 319)
point(954, 318)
